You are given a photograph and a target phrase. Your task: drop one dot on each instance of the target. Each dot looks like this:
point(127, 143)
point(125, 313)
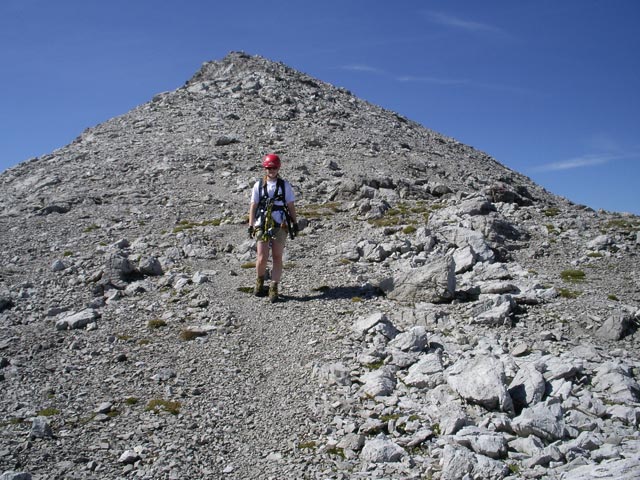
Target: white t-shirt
point(289, 196)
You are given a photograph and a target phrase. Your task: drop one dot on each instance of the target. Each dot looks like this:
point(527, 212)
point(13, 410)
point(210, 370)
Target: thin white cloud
point(443, 81)
point(590, 160)
point(436, 80)
point(363, 68)
point(458, 23)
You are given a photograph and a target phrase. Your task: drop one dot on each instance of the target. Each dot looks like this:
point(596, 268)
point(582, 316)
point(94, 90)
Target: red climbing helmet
point(271, 160)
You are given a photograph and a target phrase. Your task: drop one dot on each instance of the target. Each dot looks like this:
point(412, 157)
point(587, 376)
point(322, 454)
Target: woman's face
point(271, 173)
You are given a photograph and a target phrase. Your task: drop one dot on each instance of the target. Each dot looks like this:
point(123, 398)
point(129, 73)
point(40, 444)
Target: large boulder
point(481, 380)
point(434, 282)
point(382, 450)
point(465, 237)
point(427, 373)
point(528, 387)
point(459, 462)
point(616, 327)
point(544, 420)
point(379, 383)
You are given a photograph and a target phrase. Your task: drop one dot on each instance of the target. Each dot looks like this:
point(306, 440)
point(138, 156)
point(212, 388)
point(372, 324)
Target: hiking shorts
point(280, 236)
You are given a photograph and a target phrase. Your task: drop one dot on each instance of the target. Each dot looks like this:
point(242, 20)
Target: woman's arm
point(292, 212)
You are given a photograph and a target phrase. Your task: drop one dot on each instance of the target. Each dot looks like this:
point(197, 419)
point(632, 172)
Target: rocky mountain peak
point(441, 315)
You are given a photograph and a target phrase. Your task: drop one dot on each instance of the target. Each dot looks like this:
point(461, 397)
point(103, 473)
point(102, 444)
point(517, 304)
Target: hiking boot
point(258, 290)
point(273, 292)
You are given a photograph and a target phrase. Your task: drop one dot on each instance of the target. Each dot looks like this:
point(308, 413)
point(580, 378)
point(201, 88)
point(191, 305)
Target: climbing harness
point(268, 228)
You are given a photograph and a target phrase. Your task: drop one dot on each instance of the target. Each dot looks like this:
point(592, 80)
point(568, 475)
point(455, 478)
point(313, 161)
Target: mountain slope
point(130, 346)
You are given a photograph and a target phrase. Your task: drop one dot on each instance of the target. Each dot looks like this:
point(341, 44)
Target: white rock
point(381, 450)
point(481, 380)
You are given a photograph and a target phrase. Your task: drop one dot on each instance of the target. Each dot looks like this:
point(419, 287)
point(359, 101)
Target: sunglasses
point(270, 168)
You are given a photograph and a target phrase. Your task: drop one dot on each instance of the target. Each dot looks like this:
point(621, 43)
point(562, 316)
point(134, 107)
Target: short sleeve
point(255, 193)
point(289, 195)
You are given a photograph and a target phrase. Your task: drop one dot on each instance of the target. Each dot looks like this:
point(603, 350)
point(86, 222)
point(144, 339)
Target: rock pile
point(442, 316)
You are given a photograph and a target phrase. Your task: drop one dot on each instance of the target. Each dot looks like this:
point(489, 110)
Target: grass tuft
point(48, 412)
point(188, 335)
point(157, 405)
point(569, 294)
point(572, 276)
point(551, 211)
point(156, 323)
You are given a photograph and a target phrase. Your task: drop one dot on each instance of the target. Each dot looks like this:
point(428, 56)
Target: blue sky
point(549, 88)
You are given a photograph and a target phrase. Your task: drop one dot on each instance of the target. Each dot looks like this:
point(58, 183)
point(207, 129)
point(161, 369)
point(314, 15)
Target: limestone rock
point(459, 461)
point(544, 420)
point(381, 450)
point(434, 282)
point(481, 380)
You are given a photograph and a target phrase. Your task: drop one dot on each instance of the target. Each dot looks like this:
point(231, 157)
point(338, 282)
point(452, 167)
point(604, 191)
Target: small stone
point(129, 457)
point(40, 428)
point(520, 350)
point(58, 266)
point(104, 407)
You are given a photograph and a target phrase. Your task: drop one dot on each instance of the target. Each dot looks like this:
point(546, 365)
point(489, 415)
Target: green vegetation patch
point(48, 412)
point(308, 445)
point(375, 365)
point(188, 224)
point(11, 421)
point(156, 323)
point(336, 451)
point(385, 221)
point(318, 210)
point(569, 294)
point(514, 468)
point(624, 225)
point(188, 335)
point(572, 276)
point(91, 228)
point(158, 405)
point(409, 214)
point(551, 211)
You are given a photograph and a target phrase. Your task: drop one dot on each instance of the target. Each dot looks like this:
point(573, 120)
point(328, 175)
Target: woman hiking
point(272, 215)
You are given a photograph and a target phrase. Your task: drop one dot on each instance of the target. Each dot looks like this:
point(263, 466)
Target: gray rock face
point(381, 450)
point(40, 428)
point(379, 383)
point(426, 373)
point(434, 283)
point(77, 320)
point(15, 476)
point(616, 327)
point(528, 387)
point(544, 420)
point(484, 442)
point(482, 381)
point(459, 462)
point(624, 469)
point(505, 339)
